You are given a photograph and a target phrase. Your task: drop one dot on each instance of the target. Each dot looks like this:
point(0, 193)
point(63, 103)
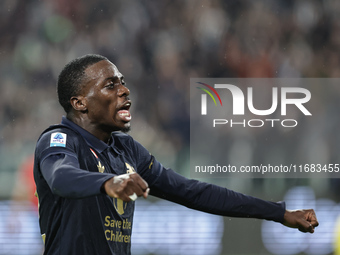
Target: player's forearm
point(214, 199)
point(66, 179)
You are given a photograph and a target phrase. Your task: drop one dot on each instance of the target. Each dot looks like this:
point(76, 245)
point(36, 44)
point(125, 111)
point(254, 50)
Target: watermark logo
point(204, 97)
point(280, 98)
point(260, 126)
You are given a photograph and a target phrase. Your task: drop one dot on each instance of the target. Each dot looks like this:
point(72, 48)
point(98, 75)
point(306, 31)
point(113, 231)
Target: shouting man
point(88, 174)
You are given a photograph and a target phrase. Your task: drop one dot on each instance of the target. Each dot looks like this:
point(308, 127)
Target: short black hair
point(71, 77)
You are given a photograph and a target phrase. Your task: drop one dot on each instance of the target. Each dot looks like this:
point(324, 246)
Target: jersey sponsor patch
point(58, 140)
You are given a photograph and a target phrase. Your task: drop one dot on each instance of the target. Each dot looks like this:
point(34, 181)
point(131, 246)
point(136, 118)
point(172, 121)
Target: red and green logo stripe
point(209, 93)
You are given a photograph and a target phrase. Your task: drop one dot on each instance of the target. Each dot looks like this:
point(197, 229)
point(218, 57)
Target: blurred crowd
point(158, 46)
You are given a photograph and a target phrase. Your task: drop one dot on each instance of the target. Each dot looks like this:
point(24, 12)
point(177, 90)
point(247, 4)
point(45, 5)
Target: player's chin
point(126, 127)
point(121, 125)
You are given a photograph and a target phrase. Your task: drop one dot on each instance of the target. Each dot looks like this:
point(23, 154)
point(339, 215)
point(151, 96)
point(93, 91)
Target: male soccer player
point(88, 175)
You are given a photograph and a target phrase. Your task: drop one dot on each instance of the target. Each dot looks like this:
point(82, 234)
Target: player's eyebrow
point(114, 78)
point(111, 78)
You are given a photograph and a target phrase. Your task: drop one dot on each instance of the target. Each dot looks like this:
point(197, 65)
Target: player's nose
point(123, 91)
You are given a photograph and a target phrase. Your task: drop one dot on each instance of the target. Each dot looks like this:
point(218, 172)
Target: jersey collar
point(91, 140)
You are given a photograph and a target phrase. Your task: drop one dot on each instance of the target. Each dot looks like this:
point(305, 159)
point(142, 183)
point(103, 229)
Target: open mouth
point(124, 112)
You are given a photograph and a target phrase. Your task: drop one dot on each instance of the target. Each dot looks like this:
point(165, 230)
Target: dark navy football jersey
point(77, 217)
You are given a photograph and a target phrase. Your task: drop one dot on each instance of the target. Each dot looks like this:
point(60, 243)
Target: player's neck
point(93, 128)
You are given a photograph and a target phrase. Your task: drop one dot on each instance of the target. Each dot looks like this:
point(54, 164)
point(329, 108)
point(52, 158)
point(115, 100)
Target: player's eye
point(115, 82)
point(122, 81)
point(111, 84)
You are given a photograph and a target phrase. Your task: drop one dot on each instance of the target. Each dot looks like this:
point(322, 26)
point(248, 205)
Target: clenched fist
point(304, 220)
point(127, 187)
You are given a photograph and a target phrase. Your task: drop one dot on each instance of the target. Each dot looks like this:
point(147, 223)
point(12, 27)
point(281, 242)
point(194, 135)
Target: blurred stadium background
point(158, 46)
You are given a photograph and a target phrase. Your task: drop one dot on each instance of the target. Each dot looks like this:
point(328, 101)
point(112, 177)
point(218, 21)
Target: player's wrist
point(105, 186)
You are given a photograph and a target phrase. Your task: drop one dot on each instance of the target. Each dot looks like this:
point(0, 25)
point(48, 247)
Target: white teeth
point(125, 115)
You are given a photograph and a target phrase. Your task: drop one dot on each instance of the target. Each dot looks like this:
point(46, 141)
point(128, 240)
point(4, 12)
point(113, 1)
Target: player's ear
point(79, 103)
